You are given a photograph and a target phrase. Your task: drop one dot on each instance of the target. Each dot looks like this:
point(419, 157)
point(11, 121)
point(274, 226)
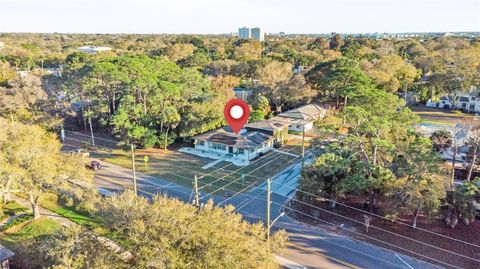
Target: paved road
point(311, 247)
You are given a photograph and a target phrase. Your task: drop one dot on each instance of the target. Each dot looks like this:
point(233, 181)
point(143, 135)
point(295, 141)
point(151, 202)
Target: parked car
point(94, 165)
point(81, 152)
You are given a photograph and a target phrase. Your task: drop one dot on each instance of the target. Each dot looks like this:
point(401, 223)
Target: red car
point(94, 165)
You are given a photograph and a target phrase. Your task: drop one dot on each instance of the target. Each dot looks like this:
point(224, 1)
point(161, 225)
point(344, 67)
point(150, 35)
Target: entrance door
point(230, 149)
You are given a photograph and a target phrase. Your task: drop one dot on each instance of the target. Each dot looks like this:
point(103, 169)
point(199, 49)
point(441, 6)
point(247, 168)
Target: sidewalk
point(44, 212)
point(66, 222)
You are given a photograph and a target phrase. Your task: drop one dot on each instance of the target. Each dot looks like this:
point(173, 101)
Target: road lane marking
point(404, 262)
point(122, 184)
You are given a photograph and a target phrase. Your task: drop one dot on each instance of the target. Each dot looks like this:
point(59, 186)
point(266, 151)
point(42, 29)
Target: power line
point(271, 160)
point(236, 171)
point(386, 231)
point(378, 240)
point(375, 239)
point(345, 205)
point(382, 217)
point(414, 240)
point(195, 171)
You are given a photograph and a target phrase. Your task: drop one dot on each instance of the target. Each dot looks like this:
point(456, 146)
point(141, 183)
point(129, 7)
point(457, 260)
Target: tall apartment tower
point(257, 34)
point(244, 33)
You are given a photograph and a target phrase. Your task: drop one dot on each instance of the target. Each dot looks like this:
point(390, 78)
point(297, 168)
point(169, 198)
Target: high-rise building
point(244, 33)
point(257, 34)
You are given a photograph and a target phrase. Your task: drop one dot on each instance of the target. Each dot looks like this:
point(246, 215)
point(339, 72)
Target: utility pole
point(268, 222)
point(197, 200)
point(303, 146)
point(91, 128)
point(133, 169)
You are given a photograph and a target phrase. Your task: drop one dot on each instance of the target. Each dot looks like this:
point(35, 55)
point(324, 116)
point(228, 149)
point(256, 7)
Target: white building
point(301, 118)
point(224, 144)
point(466, 102)
point(257, 34)
point(244, 33)
point(92, 49)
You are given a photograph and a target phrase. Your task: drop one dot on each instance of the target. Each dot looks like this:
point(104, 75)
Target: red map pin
point(236, 113)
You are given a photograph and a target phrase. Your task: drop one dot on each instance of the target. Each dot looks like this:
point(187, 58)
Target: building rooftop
point(268, 125)
point(290, 121)
point(226, 136)
point(307, 112)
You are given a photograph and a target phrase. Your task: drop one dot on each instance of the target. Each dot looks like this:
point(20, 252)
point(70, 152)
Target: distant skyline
point(225, 16)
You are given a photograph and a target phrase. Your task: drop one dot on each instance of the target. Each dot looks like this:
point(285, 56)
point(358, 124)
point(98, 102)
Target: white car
point(79, 151)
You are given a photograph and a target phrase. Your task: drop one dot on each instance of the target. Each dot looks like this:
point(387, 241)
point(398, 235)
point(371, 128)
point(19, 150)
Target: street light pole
point(91, 128)
point(197, 201)
point(270, 224)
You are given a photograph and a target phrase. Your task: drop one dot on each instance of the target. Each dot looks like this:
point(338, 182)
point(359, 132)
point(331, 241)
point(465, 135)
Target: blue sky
point(223, 16)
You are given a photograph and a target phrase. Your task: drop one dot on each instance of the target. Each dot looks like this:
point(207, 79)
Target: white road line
point(404, 262)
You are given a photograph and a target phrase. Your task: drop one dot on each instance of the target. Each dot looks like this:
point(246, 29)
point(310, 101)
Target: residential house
point(224, 144)
point(466, 102)
point(301, 118)
point(278, 130)
point(92, 49)
point(298, 69)
point(5, 255)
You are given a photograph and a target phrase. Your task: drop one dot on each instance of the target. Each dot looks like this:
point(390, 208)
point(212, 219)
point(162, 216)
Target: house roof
point(5, 253)
point(268, 125)
point(290, 121)
point(226, 136)
point(307, 112)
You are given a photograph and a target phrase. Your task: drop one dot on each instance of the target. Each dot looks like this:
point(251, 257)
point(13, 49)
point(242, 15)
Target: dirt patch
point(418, 243)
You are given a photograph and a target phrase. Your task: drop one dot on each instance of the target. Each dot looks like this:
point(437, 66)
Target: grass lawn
point(53, 203)
point(32, 229)
point(181, 168)
point(12, 208)
point(441, 117)
point(437, 122)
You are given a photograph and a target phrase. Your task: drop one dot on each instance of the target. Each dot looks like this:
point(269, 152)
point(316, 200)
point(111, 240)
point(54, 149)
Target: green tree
point(473, 142)
point(392, 73)
point(180, 51)
point(70, 247)
point(441, 140)
point(459, 204)
point(336, 42)
point(339, 79)
point(180, 235)
point(420, 184)
point(35, 162)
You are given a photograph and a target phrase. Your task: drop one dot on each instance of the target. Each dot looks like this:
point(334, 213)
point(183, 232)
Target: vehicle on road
point(80, 151)
point(94, 165)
